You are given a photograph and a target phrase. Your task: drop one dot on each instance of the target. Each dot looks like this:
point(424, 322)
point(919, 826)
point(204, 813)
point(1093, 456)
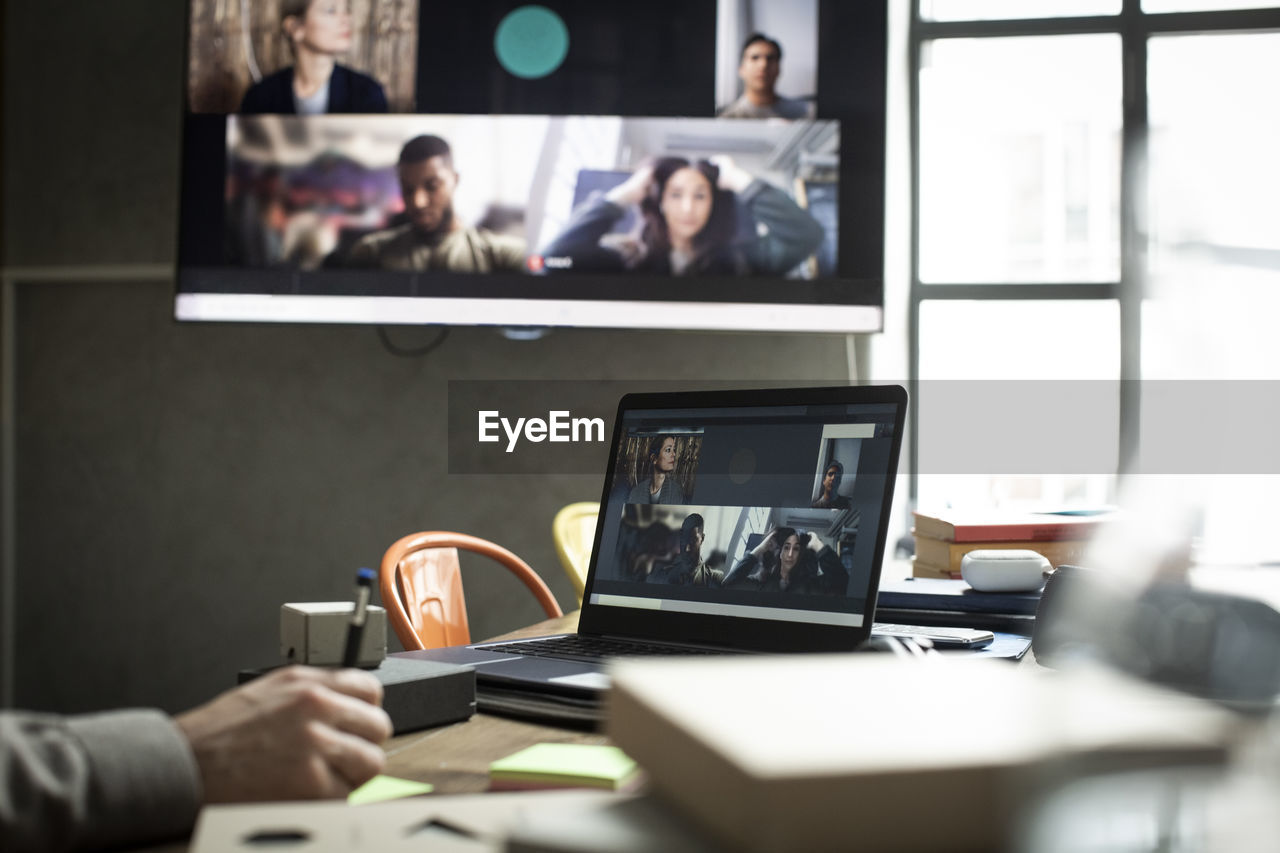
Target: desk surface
point(456, 758)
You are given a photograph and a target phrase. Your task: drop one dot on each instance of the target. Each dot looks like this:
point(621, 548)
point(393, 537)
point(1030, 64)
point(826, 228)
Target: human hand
point(814, 544)
point(766, 544)
point(295, 733)
point(633, 189)
point(732, 177)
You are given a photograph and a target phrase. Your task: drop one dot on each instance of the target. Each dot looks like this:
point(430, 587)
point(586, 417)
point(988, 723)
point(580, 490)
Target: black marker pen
point(355, 631)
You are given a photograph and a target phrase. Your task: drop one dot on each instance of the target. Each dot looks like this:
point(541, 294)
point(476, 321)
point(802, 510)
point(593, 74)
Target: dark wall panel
point(92, 93)
point(177, 483)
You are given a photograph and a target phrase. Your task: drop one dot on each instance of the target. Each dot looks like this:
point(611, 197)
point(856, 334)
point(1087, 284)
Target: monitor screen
point(700, 165)
point(688, 529)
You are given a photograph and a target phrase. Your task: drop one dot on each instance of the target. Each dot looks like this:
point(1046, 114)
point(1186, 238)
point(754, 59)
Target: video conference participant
point(689, 568)
point(123, 778)
point(661, 486)
point(689, 224)
point(789, 561)
point(828, 496)
point(434, 238)
point(317, 31)
point(758, 69)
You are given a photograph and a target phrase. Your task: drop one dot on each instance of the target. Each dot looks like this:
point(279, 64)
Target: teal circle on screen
point(531, 42)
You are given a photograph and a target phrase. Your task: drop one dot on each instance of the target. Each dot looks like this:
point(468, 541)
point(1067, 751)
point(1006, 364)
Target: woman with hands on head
point(689, 224)
point(788, 560)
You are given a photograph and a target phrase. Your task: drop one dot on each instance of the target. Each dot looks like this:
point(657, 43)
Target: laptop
point(730, 522)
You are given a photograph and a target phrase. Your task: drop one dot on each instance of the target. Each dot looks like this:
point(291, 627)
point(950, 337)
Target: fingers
point(356, 683)
point(347, 699)
point(358, 718)
point(351, 682)
point(352, 760)
point(297, 732)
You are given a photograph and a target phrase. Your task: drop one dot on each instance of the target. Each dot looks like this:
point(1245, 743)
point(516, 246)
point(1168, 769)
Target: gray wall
point(176, 483)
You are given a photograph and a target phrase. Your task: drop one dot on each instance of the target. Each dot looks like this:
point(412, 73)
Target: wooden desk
point(456, 758)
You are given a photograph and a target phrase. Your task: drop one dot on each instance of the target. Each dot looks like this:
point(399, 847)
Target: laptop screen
point(754, 513)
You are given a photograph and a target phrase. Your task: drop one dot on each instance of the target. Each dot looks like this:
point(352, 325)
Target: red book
point(1008, 527)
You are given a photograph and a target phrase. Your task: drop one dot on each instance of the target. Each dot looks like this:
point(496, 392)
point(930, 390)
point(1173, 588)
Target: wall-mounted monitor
point(693, 164)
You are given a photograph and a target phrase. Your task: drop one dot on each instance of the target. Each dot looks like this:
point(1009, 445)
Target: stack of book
point(942, 539)
point(936, 601)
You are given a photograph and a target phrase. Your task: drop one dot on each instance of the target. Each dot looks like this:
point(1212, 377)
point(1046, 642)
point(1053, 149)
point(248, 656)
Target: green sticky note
point(381, 788)
point(568, 762)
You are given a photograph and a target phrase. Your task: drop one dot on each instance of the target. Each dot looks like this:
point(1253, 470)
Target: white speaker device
point(1004, 570)
point(315, 633)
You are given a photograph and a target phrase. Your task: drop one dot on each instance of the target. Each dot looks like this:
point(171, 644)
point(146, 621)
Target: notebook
point(732, 521)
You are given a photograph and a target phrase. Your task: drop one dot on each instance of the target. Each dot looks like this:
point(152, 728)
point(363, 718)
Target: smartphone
point(942, 638)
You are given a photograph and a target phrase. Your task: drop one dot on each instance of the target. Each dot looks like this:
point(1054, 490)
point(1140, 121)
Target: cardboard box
point(315, 633)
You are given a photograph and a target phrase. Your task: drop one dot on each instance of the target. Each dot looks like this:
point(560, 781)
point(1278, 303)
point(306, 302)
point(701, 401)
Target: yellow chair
point(574, 531)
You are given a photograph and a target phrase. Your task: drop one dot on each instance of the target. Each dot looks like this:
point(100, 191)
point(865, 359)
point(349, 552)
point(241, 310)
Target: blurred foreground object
point(1213, 644)
point(841, 751)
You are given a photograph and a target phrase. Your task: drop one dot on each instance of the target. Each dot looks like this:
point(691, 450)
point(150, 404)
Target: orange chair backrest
point(421, 584)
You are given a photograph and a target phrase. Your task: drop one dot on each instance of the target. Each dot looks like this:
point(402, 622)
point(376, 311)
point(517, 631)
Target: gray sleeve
point(793, 234)
point(740, 571)
point(580, 239)
point(124, 777)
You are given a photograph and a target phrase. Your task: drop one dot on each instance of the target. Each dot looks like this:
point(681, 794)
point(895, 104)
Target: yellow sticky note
point(381, 788)
point(573, 764)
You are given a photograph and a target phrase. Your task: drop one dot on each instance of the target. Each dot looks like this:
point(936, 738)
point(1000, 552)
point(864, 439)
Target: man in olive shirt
point(433, 238)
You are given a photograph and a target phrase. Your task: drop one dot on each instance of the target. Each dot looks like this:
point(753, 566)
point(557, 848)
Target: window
point(1095, 187)
point(1020, 159)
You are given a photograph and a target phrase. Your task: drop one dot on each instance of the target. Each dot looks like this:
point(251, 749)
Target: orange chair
point(421, 584)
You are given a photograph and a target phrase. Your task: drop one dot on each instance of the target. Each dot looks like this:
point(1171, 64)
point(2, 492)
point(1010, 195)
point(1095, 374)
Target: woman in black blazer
point(317, 32)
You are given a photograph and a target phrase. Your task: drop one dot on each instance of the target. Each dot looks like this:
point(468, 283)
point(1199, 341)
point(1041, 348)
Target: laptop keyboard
point(596, 648)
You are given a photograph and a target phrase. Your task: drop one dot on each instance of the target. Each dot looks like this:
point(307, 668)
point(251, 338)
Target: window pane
point(1020, 159)
point(1203, 5)
point(1011, 339)
point(995, 10)
point(995, 427)
point(1215, 223)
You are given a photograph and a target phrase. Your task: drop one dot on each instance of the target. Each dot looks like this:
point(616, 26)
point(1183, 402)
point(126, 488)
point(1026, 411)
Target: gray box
point(315, 633)
point(416, 694)
point(421, 693)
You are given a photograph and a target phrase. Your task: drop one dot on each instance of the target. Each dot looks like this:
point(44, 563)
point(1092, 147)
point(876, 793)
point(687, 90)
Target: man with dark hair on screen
point(433, 238)
point(758, 69)
point(689, 567)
